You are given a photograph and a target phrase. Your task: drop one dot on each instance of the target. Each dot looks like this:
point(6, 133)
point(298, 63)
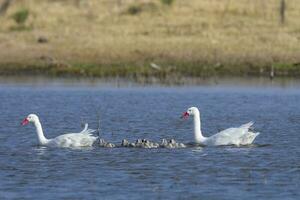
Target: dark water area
point(270, 169)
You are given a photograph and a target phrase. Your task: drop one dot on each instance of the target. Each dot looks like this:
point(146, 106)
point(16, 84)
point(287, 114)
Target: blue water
point(268, 170)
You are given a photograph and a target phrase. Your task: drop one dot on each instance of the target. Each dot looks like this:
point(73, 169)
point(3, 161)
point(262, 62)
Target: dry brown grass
point(235, 35)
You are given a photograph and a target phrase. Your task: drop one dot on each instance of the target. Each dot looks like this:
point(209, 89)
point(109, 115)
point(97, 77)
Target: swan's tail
point(247, 125)
point(86, 130)
point(249, 138)
point(249, 135)
point(86, 125)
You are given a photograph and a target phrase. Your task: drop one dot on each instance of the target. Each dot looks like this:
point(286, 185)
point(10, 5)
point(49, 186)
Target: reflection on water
point(40, 150)
point(269, 169)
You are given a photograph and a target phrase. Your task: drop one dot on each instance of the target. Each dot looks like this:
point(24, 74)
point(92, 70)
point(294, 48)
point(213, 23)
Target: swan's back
point(233, 136)
point(83, 139)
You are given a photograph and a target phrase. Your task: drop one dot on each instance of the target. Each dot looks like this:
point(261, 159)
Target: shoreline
point(99, 39)
point(149, 70)
point(279, 82)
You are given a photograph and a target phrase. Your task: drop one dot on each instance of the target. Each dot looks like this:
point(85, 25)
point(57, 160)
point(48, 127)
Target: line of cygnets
point(143, 143)
point(242, 135)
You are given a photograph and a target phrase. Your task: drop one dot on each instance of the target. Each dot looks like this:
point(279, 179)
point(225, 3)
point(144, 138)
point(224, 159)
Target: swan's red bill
point(185, 115)
point(25, 121)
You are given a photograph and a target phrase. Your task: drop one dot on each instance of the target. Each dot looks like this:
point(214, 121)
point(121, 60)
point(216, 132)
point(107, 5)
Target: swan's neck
point(197, 129)
point(39, 130)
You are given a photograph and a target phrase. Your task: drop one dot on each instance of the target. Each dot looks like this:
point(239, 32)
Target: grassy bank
point(131, 38)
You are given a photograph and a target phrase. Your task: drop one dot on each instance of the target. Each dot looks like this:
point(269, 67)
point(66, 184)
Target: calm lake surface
point(268, 170)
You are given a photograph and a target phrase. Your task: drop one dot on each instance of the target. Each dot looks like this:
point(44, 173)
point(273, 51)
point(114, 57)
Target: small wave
point(246, 146)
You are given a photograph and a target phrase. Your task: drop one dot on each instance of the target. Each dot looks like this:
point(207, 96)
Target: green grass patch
point(167, 2)
point(21, 16)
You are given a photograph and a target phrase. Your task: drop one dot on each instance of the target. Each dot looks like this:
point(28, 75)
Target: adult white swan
point(231, 136)
point(82, 139)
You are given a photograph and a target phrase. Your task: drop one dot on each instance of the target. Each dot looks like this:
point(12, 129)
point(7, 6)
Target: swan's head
point(30, 118)
point(190, 112)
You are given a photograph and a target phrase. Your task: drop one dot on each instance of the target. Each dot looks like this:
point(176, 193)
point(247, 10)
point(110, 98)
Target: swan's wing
point(74, 140)
point(231, 135)
point(83, 138)
point(63, 140)
point(236, 132)
point(227, 136)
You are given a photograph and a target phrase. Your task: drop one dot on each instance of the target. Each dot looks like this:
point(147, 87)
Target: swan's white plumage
point(82, 139)
point(85, 138)
point(231, 136)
